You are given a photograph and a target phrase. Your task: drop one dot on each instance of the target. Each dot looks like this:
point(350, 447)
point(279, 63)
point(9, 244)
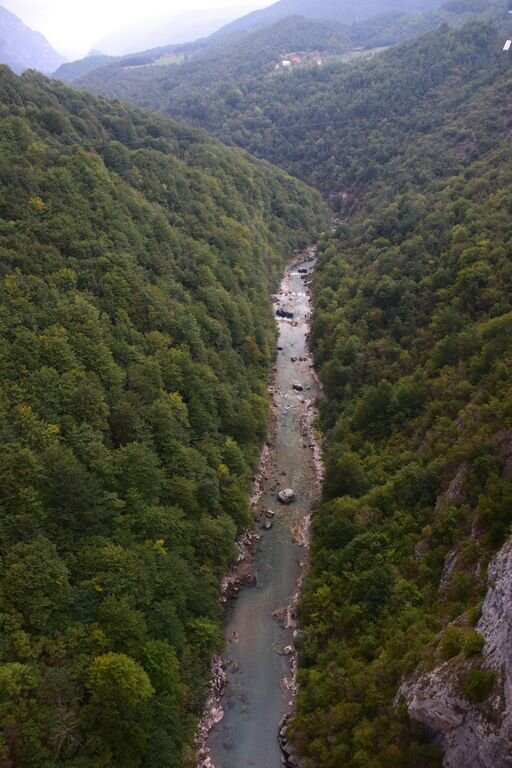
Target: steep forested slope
point(305, 118)
point(412, 335)
point(135, 338)
point(22, 48)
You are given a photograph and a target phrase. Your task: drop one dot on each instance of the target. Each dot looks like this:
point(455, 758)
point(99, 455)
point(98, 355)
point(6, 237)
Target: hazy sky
point(73, 26)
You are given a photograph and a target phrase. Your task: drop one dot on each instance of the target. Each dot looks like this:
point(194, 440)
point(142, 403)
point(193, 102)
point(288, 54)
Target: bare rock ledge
point(473, 735)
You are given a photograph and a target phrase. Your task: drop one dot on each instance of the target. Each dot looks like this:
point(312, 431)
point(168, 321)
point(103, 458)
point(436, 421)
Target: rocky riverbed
point(254, 683)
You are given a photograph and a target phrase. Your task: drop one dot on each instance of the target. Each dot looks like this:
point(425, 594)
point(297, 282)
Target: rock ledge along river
point(255, 678)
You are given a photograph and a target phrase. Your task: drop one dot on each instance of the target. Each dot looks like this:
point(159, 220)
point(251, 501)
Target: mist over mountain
point(392, 22)
point(168, 30)
point(244, 55)
point(23, 48)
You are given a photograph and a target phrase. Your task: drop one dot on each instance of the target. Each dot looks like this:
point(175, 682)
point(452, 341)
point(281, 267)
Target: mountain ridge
point(236, 32)
point(176, 30)
point(336, 10)
point(22, 48)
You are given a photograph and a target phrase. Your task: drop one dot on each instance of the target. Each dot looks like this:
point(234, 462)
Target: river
point(258, 661)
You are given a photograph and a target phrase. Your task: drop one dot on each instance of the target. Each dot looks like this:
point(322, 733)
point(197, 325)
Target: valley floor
point(259, 659)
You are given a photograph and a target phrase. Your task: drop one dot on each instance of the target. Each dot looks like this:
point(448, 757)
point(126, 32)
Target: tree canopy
point(411, 336)
point(137, 261)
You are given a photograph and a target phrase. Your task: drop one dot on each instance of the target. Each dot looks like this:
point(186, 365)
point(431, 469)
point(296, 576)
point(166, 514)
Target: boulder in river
point(284, 313)
point(286, 496)
point(297, 386)
point(267, 525)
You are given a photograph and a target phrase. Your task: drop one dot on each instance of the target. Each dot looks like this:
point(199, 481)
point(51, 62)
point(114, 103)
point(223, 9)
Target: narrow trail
point(256, 684)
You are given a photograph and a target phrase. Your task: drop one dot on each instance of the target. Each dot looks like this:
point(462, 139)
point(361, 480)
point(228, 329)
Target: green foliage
point(451, 642)
point(116, 712)
point(411, 334)
point(135, 345)
point(473, 644)
point(330, 125)
point(478, 684)
point(135, 349)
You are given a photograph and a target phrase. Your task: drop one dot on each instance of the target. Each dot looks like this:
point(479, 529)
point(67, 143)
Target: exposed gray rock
point(455, 493)
point(503, 444)
point(450, 563)
point(289, 759)
point(421, 549)
point(473, 736)
point(286, 496)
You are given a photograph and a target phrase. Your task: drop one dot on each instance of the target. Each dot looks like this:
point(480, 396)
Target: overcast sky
point(73, 26)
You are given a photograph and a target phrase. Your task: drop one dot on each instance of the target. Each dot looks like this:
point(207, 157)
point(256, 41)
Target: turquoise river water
point(260, 686)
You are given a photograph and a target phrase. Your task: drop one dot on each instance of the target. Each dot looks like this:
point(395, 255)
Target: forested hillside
point(72, 70)
point(412, 335)
point(136, 260)
point(371, 23)
point(303, 118)
point(136, 345)
point(205, 62)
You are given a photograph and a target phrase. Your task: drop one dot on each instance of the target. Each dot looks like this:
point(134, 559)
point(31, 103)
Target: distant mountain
point(227, 62)
point(338, 10)
point(168, 36)
point(22, 48)
point(75, 70)
point(168, 30)
point(72, 70)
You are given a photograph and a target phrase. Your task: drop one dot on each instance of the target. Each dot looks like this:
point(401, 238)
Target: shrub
point(451, 642)
point(478, 683)
point(473, 644)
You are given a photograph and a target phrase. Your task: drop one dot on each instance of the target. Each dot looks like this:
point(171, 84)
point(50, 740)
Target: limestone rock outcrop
point(473, 735)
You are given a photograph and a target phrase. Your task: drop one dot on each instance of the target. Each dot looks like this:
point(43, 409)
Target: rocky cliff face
point(473, 735)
